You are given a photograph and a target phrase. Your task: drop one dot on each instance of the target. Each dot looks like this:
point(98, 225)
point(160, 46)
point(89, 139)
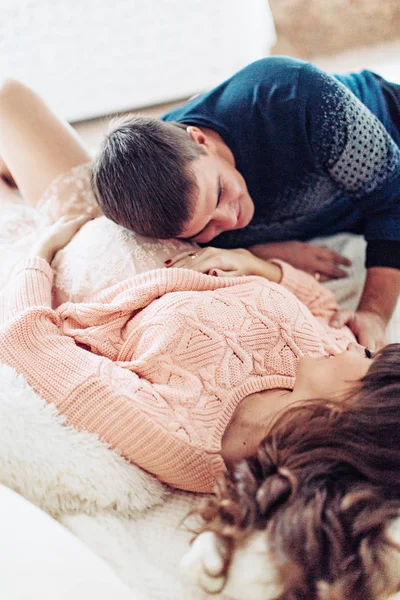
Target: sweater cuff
point(38, 264)
point(35, 279)
point(383, 253)
point(290, 275)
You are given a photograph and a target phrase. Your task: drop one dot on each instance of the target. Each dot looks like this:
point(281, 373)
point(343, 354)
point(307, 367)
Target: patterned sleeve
point(94, 393)
point(352, 145)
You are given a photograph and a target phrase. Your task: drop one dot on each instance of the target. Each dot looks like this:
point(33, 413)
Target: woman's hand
point(225, 263)
point(57, 235)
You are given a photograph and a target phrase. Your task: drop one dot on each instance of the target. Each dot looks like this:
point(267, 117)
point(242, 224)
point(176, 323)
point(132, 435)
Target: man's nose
point(227, 217)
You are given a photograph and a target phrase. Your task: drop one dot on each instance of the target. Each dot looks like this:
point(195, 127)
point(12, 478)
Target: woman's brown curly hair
point(324, 486)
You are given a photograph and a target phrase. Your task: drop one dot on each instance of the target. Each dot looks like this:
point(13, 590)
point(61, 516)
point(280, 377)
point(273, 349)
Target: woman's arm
point(27, 290)
point(235, 263)
point(92, 392)
point(319, 300)
point(224, 263)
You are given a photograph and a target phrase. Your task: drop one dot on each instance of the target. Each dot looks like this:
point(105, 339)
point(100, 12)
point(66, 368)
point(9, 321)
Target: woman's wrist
point(267, 269)
point(44, 251)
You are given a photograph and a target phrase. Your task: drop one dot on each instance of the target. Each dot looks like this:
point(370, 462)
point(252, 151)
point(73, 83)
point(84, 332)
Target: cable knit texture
point(157, 364)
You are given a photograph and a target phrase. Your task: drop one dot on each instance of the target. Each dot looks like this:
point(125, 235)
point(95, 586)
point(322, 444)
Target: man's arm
point(378, 301)
point(382, 284)
point(381, 292)
point(376, 306)
point(351, 145)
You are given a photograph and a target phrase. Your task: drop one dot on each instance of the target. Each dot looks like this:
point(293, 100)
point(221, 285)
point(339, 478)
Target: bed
point(124, 516)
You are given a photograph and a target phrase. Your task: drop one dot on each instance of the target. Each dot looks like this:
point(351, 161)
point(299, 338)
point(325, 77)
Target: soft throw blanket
point(124, 514)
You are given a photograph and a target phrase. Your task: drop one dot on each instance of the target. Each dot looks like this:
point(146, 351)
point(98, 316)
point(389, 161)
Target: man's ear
point(197, 135)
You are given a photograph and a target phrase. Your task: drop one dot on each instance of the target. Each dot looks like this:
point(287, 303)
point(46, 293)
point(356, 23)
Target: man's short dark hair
point(142, 176)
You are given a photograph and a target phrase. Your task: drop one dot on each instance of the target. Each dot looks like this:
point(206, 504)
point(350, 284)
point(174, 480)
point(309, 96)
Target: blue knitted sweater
point(319, 153)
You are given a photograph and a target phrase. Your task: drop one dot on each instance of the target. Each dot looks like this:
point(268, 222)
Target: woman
point(332, 463)
point(322, 495)
point(181, 371)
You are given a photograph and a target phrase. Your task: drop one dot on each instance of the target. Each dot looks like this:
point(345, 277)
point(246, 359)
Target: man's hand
point(312, 259)
point(368, 327)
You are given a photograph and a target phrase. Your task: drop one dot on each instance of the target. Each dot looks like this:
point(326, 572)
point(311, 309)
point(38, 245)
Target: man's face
point(222, 201)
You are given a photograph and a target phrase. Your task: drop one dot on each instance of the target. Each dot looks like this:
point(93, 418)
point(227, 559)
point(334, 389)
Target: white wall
point(94, 57)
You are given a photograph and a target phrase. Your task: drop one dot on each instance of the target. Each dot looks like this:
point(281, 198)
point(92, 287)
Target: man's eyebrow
point(219, 194)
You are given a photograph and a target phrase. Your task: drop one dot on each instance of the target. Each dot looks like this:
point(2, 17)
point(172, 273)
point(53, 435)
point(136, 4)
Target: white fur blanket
point(122, 513)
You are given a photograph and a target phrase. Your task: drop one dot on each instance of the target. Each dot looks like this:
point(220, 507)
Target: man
point(280, 151)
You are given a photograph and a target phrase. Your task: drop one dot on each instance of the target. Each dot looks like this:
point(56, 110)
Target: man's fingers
point(323, 278)
point(329, 271)
point(326, 263)
point(340, 260)
point(367, 327)
point(334, 257)
point(335, 272)
point(341, 318)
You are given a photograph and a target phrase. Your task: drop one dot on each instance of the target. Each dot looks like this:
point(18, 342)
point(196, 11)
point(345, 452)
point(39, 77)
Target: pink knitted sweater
point(156, 365)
